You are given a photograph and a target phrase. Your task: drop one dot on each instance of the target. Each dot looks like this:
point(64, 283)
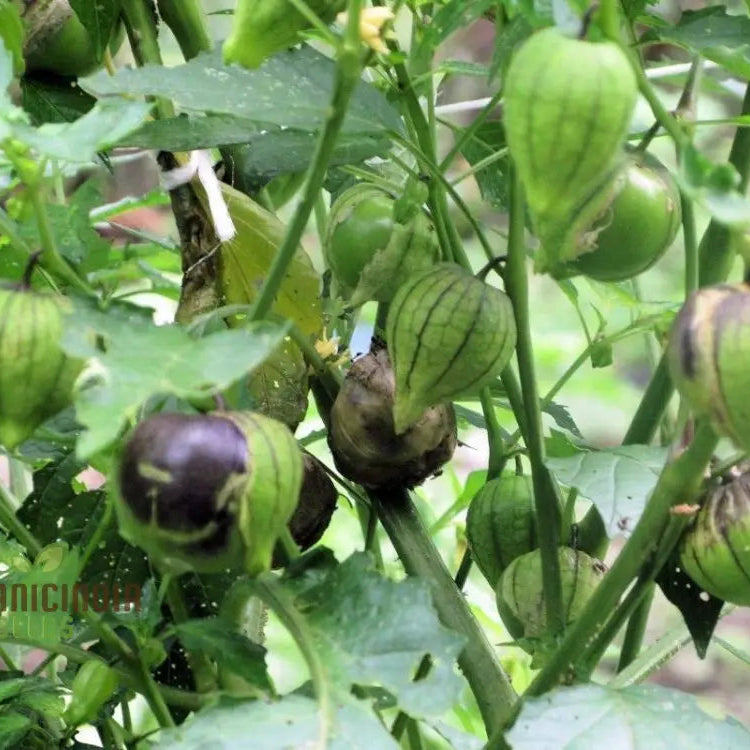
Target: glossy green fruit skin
point(520, 591)
point(36, 376)
point(364, 230)
point(448, 335)
point(208, 492)
point(568, 105)
point(708, 352)
point(639, 225)
point(63, 46)
point(93, 685)
point(500, 524)
point(715, 552)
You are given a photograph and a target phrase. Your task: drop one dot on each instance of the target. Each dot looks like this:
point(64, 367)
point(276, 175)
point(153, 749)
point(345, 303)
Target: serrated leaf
point(714, 34)
point(640, 717)
point(246, 259)
point(168, 362)
point(617, 480)
point(562, 417)
point(292, 722)
point(230, 649)
point(291, 89)
point(370, 631)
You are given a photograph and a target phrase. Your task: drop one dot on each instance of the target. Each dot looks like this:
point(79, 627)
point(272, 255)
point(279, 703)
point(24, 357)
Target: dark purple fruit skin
point(317, 501)
point(199, 452)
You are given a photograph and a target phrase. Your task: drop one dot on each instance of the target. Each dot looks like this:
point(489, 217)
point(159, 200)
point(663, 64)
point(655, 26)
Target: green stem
point(347, 77)
point(51, 260)
point(200, 665)
point(678, 481)
point(715, 250)
point(186, 21)
point(11, 523)
point(140, 24)
point(609, 19)
point(636, 629)
point(546, 501)
point(479, 663)
point(266, 586)
point(691, 244)
point(513, 392)
point(494, 436)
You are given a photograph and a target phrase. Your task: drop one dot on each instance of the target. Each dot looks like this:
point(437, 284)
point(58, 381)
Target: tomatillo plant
point(309, 418)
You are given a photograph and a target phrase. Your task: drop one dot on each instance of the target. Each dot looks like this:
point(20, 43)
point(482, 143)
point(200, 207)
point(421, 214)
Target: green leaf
point(11, 36)
point(714, 186)
point(370, 631)
point(75, 236)
point(292, 722)
point(51, 100)
point(641, 717)
point(247, 257)
point(99, 18)
point(268, 151)
point(712, 33)
point(493, 179)
point(617, 480)
point(231, 650)
point(102, 127)
point(168, 362)
point(291, 89)
point(13, 728)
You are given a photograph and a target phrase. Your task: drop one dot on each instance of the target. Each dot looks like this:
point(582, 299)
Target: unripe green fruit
point(500, 524)
point(365, 447)
point(261, 28)
point(93, 685)
point(636, 228)
point(520, 591)
point(715, 552)
point(448, 335)
point(708, 353)
point(57, 42)
point(370, 251)
point(36, 376)
point(208, 492)
point(568, 104)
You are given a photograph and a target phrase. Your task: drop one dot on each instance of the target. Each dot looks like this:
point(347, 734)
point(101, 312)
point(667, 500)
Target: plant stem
point(140, 24)
point(497, 459)
point(266, 586)
point(347, 77)
point(546, 500)
point(716, 256)
point(200, 665)
point(678, 482)
point(489, 683)
point(11, 523)
point(185, 19)
point(636, 629)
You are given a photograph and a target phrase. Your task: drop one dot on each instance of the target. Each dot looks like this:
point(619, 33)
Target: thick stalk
point(678, 482)
point(546, 501)
point(347, 77)
point(636, 629)
point(496, 460)
point(186, 21)
point(478, 661)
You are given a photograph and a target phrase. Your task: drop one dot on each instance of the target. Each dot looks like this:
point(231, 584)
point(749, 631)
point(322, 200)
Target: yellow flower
point(371, 22)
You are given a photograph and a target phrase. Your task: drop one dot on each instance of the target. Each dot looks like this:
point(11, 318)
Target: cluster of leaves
point(381, 653)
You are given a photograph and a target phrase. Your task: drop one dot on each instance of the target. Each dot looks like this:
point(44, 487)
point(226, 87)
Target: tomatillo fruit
point(637, 227)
